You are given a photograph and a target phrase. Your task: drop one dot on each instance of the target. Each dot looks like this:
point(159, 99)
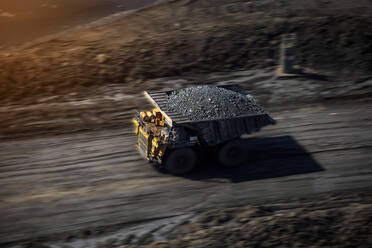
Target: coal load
point(211, 102)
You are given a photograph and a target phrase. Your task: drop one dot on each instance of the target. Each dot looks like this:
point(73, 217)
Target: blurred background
point(23, 21)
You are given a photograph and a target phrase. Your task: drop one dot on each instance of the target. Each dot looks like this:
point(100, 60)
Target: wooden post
point(287, 53)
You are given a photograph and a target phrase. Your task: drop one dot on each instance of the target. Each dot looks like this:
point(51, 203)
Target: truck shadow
point(266, 158)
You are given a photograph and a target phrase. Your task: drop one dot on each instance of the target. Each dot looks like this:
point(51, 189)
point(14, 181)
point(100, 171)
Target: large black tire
point(180, 161)
point(232, 154)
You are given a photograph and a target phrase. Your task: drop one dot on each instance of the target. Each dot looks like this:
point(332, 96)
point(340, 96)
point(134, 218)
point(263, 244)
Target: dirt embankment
point(88, 77)
point(334, 222)
point(187, 37)
point(328, 220)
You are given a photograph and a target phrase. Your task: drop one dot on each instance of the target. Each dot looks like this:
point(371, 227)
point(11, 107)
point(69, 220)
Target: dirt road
point(91, 179)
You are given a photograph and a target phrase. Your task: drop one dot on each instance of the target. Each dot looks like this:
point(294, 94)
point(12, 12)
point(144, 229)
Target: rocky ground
point(329, 221)
point(92, 77)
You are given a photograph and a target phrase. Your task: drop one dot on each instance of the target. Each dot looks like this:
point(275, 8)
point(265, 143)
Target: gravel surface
point(211, 102)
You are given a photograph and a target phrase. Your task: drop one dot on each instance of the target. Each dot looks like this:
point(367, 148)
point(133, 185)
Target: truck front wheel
point(180, 161)
point(232, 153)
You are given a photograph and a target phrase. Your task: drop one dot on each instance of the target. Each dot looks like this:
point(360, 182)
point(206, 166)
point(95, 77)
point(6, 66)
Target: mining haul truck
point(174, 142)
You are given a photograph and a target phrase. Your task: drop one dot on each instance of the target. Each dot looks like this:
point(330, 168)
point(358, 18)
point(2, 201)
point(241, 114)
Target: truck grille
point(142, 139)
point(142, 144)
point(143, 149)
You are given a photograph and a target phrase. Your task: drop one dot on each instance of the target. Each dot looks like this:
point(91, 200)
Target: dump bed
point(212, 131)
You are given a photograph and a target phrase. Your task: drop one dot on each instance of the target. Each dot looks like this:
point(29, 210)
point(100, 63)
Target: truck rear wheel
point(180, 161)
point(232, 154)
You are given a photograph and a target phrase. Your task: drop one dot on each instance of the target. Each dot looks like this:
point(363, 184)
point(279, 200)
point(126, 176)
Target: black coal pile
point(211, 102)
